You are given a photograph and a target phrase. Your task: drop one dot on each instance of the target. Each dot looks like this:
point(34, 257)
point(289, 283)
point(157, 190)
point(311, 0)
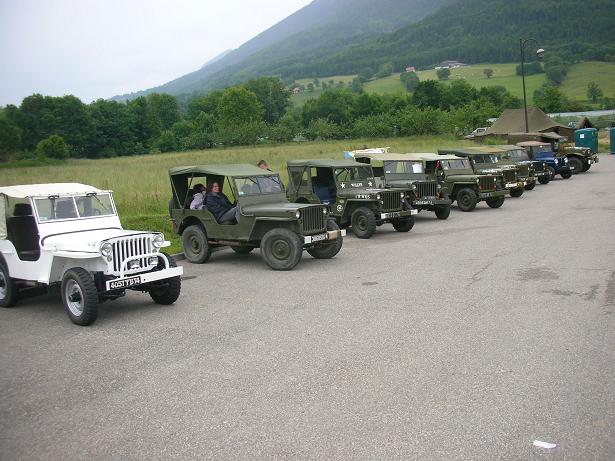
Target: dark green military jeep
point(266, 220)
point(400, 172)
point(460, 182)
point(519, 156)
point(349, 189)
point(488, 160)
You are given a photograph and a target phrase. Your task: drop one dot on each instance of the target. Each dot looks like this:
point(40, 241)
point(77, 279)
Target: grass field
point(574, 86)
point(141, 184)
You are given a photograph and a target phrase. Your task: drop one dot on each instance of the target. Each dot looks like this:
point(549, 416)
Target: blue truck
point(544, 152)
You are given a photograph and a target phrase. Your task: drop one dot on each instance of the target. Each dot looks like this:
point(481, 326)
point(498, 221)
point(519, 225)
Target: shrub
point(53, 147)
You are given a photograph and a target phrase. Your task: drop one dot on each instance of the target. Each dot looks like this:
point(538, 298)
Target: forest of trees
point(258, 111)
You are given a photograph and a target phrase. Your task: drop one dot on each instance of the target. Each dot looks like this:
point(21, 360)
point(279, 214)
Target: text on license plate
point(124, 283)
point(319, 237)
point(422, 202)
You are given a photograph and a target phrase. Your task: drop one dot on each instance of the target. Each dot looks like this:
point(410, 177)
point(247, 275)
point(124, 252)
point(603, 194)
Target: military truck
point(397, 171)
point(267, 221)
point(349, 189)
point(459, 183)
point(524, 172)
point(580, 159)
point(543, 151)
point(518, 155)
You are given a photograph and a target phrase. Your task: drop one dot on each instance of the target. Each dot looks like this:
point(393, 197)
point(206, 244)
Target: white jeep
point(70, 234)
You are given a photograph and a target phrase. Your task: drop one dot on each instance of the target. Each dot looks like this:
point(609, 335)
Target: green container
point(612, 132)
point(587, 137)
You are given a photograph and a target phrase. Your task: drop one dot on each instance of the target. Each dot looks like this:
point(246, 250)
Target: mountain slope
point(323, 24)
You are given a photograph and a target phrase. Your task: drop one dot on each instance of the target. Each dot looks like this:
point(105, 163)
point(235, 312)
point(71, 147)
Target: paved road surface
point(464, 339)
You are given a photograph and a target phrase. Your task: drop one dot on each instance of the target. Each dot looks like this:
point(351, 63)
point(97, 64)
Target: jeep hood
point(85, 241)
point(278, 209)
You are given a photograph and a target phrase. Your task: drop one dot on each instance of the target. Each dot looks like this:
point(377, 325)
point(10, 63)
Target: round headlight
point(414, 187)
point(106, 249)
point(477, 181)
point(158, 240)
point(438, 186)
point(565, 159)
point(402, 195)
point(298, 214)
point(377, 196)
point(324, 211)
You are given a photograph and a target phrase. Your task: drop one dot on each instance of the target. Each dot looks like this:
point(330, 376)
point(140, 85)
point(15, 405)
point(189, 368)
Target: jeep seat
point(22, 231)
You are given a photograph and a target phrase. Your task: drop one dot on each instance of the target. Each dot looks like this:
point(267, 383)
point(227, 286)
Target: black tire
point(195, 245)
point(167, 291)
point(566, 175)
point(517, 192)
point(544, 179)
point(530, 186)
point(495, 202)
point(466, 199)
point(403, 224)
point(363, 222)
point(79, 296)
point(551, 171)
point(576, 165)
point(586, 167)
point(329, 249)
point(8, 289)
point(443, 211)
point(281, 249)
point(242, 250)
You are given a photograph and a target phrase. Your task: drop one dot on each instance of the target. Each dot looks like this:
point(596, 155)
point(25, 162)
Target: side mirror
point(540, 52)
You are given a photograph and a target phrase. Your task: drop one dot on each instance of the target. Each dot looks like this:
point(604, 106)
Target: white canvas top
point(45, 190)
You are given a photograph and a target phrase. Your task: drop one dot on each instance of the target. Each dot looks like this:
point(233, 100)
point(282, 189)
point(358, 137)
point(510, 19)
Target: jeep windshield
point(257, 185)
point(517, 154)
point(54, 208)
point(456, 164)
point(485, 158)
point(544, 148)
point(352, 173)
point(404, 170)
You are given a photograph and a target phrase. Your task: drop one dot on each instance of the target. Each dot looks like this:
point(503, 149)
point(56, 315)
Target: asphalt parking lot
point(468, 338)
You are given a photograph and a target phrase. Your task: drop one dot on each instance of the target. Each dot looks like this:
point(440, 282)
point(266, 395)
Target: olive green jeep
point(518, 155)
point(461, 184)
point(266, 220)
point(398, 171)
point(489, 160)
point(349, 189)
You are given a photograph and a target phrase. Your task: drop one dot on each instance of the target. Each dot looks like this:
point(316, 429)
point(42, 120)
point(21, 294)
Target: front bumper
point(135, 279)
point(430, 202)
point(324, 237)
point(563, 169)
point(515, 185)
point(491, 194)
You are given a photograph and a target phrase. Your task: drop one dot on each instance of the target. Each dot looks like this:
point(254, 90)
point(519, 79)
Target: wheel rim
point(194, 244)
point(281, 249)
point(362, 222)
point(74, 298)
point(465, 200)
point(2, 285)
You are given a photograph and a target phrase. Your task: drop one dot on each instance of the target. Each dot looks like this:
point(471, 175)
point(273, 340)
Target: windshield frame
point(36, 201)
point(258, 180)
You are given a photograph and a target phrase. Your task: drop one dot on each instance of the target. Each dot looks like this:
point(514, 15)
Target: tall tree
point(594, 92)
point(239, 106)
point(272, 95)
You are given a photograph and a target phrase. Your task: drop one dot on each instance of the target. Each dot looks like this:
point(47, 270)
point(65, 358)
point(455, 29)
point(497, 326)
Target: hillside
point(323, 24)
point(574, 86)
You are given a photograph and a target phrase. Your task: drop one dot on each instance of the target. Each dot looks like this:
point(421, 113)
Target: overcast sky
point(98, 49)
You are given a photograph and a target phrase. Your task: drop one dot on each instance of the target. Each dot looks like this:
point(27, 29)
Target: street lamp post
point(540, 53)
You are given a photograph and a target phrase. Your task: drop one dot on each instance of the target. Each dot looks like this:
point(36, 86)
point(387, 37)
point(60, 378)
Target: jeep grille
point(486, 182)
point(313, 220)
point(426, 189)
point(391, 201)
point(509, 175)
point(523, 171)
point(538, 167)
point(127, 247)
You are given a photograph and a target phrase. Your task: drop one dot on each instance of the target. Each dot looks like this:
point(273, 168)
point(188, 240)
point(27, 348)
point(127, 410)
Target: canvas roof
point(513, 121)
point(45, 190)
point(234, 169)
point(531, 143)
point(509, 147)
point(325, 162)
point(386, 156)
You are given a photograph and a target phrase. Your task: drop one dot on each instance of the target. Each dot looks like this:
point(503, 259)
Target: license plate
point(319, 237)
point(124, 283)
point(394, 214)
point(512, 185)
point(486, 194)
point(422, 202)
